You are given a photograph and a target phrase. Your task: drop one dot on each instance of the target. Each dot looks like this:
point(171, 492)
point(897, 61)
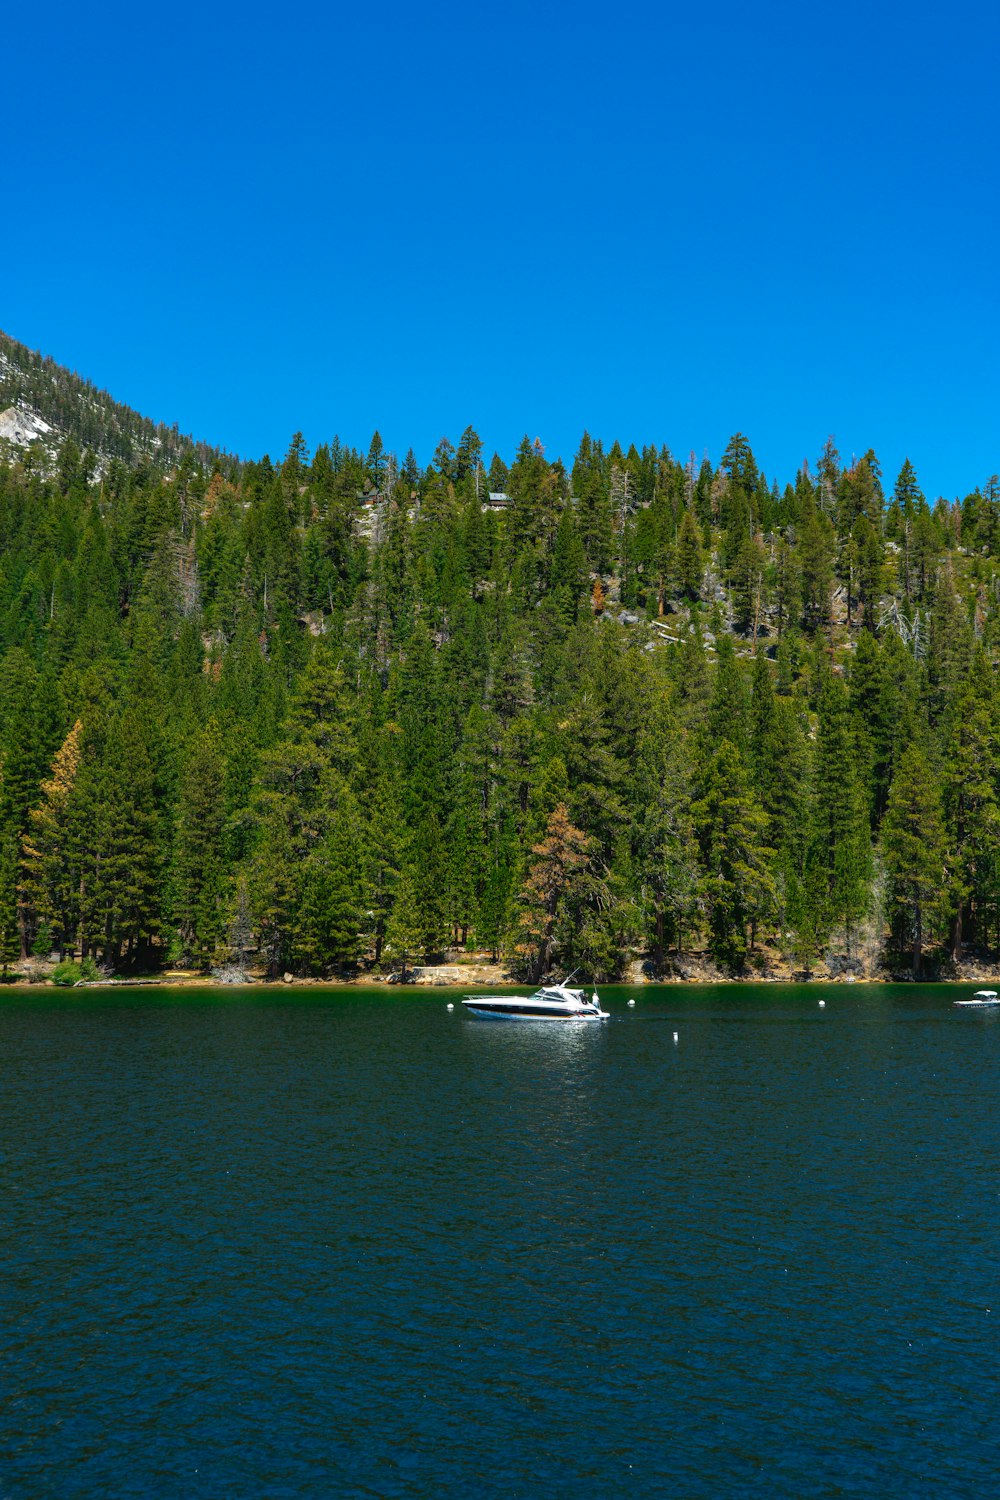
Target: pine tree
point(50, 884)
point(748, 579)
point(10, 937)
point(668, 850)
point(328, 907)
point(690, 562)
point(740, 892)
point(200, 865)
point(869, 551)
point(788, 587)
point(841, 845)
point(816, 552)
point(727, 714)
point(405, 933)
point(914, 849)
point(556, 888)
point(950, 644)
point(118, 840)
point(970, 780)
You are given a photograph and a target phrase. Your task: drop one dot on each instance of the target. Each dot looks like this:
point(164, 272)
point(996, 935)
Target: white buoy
point(450, 1006)
point(631, 1002)
point(821, 1004)
point(675, 1038)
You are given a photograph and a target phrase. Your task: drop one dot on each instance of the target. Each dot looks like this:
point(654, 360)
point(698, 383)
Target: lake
point(306, 1242)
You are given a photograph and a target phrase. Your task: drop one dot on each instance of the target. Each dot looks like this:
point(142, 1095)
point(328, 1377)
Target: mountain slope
point(43, 403)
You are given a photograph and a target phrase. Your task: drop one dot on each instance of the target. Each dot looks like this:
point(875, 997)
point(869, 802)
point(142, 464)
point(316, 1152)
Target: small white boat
point(553, 1002)
point(982, 997)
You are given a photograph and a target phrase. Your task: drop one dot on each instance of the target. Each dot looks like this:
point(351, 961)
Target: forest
point(340, 713)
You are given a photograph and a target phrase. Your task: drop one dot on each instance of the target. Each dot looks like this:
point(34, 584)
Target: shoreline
point(448, 977)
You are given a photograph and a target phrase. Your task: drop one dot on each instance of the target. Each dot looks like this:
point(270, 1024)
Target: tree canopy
point(337, 710)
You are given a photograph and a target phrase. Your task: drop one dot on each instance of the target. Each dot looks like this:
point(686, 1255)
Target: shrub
point(66, 973)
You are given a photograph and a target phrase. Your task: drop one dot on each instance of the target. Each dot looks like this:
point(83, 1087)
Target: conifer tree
point(405, 933)
point(690, 564)
point(914, 849)
point(50, 882)
point(200, 864)
point(840, 827)
point(328, 914)
point(748, 580)
point(970, 780)
point(118, 840)
point(557, 886)
point(10, 940)
point(816, 551)
point(739, 887)
point(727, 714)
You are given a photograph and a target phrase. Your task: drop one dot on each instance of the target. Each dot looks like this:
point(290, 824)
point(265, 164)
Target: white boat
point(982, 997)
point(553, 1002)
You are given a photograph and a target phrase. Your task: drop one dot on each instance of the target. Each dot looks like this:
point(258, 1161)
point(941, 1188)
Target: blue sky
point(654, 224)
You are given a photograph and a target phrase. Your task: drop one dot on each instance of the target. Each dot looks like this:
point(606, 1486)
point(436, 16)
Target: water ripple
point(288, 1245)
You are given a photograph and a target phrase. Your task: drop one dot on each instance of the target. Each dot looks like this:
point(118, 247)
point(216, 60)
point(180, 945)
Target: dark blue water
point(313, 1244)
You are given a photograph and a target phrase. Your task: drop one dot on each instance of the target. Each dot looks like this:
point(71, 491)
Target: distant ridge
point(42, 403)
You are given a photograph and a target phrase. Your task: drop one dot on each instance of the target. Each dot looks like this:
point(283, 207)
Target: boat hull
point(981, 998)
point(487, 1011)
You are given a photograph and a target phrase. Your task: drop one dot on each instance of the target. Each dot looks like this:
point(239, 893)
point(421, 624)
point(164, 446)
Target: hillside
point(42, 403)
point(346, 714)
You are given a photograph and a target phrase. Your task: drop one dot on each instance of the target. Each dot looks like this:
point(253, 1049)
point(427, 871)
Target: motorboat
point(982, 997)
point(552, 1002)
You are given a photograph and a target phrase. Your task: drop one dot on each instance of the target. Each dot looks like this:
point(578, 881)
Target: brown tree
point(559, 881)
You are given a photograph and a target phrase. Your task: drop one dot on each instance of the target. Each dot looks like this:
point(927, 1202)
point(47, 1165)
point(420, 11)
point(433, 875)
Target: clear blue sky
point(664, 223)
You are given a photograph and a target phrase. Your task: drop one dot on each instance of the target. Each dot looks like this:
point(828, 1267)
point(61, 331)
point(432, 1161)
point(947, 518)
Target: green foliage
point(740, 892)
point(68, 972)
point(915, 852)
point(337, 711)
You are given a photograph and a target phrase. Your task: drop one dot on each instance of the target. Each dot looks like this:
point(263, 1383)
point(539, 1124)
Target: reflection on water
point(545, 1074)
point(302, 1244)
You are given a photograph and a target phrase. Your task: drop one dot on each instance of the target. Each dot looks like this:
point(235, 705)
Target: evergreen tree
point(739, 887)
point(690, 565)
point(914, 849)
point(328, 916)
point(405, 934)
point(200, 864)
point(118, 842)
point(302, 682)
point(50, 887)
point(970, 781)
point(840, 831)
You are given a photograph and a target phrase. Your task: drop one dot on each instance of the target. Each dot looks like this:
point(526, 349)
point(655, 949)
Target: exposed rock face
point(472, 974)
point(22, 427)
